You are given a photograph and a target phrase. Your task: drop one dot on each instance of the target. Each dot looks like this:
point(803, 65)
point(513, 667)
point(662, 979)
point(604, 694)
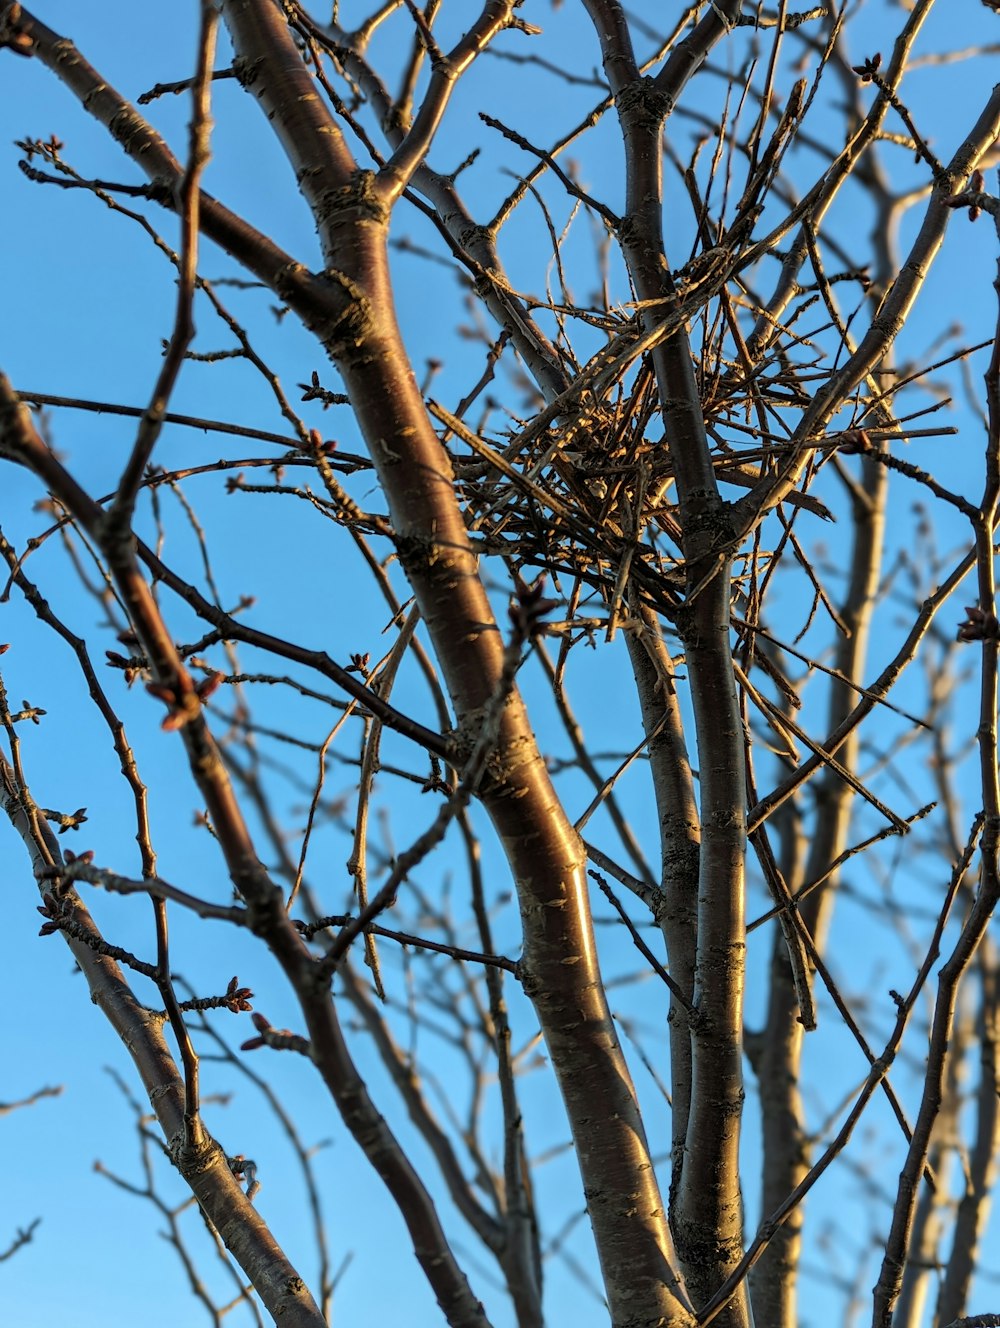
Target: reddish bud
point(978, 625)
point(211, 684)
point(237, 997)
point(854, 441)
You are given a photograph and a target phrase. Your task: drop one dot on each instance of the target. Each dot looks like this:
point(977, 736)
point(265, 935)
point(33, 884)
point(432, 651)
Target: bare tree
point(687, 498)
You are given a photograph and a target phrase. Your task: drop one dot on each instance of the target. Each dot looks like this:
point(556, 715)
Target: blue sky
point(88, 301)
